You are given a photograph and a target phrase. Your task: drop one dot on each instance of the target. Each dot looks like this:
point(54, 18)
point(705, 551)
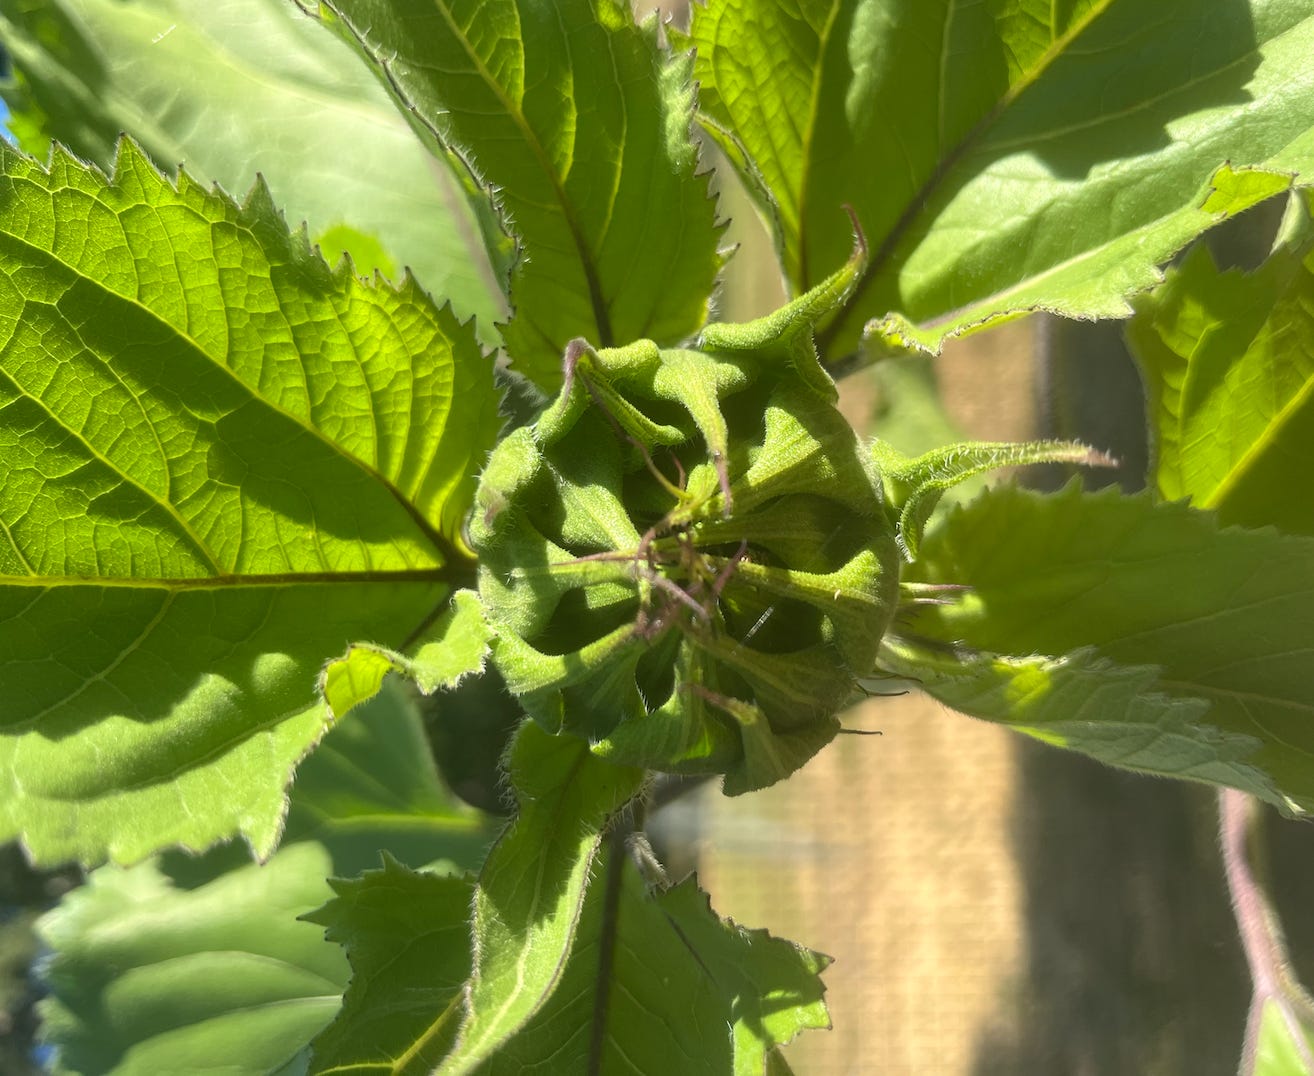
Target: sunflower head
point(687, 559)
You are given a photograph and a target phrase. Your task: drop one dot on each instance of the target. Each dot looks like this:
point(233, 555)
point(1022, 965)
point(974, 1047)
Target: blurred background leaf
point(242, 87)
point(172, 964)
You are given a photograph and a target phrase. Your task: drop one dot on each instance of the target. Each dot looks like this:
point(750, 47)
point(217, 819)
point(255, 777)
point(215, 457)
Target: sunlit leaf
point(407, 936)
point(243, 87)
point(1080, 588)
point(532, 887)
point(223, 464)
point(1118, 714)
point(527, 910)
point(758, 97)
point(655, 982)
point(1003, 157)
point(452, 648)
point(1286, 1043)
point(1230, 364)
point(581, 124)
point(914, 485)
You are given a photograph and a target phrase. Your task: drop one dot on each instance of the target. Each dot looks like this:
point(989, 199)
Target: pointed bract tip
point(859, 236)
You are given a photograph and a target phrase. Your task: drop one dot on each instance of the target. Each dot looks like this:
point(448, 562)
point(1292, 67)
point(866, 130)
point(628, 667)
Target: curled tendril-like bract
point(687, 559)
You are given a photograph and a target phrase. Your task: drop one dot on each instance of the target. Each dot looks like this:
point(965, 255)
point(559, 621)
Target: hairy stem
point(1240, 826)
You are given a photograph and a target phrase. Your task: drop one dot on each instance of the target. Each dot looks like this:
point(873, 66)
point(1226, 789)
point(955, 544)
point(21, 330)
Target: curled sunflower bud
point(687, 559)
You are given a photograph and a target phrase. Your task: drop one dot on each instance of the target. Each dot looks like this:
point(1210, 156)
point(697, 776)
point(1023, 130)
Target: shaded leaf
point(532, 888)
point(681, 990)
point(1224, 616)
point(455, 646)
point(527, 910)
point(581, 124)
point(1002, 157)
point(407, 936)
point(1229, 358)
point(247, 87)
point(1118, 714)
point(224, 463)
point(172, 964)
point(152, 979)
point(686, 991)
point(372, 786)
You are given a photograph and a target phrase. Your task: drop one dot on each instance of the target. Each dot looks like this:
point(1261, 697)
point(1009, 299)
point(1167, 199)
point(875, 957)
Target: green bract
point(687, 559)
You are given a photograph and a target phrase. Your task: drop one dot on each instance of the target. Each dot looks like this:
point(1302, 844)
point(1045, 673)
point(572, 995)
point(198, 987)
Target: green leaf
point(766, 124)
point(172, 964)
point(684, 991)
point(407, 936)
point(1118, 714)
point(1286, 1044)
point(655, 983)
point(1229, 359)
point(526, 913)
point(245, 87)
point(454, 647)
point(372, 786)
point(1100, 581)
point(581, 124)
point(532, 887)
point(224, 463)
point(150, 978)
point(1002, 157)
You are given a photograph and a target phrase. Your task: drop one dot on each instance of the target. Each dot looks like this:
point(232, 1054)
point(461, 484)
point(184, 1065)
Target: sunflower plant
point(281, 498)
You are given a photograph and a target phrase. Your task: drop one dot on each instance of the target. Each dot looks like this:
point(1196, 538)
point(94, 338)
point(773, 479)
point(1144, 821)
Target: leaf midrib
point(922, 195)
point(442, 573)
point(1254, 455)
point(601, 315)
point(823, 43)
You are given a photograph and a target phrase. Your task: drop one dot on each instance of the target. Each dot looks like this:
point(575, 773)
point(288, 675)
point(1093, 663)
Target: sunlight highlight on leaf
point(1229, 358)
point(249, 87)
point(580, 123)
point(224, 462)
point(533, 885)
point(1002, 157)
point(1154, 607)
point(723, 999)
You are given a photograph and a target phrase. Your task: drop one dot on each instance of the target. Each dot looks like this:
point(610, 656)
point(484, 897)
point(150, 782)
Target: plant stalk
point(1240, 827)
